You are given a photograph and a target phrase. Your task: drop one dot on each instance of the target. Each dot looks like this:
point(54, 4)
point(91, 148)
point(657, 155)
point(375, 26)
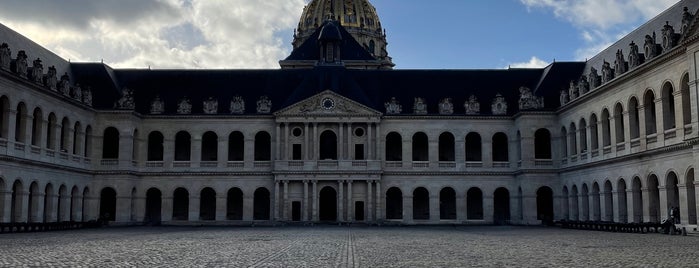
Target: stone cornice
point(43, 90)
point(446, 117)
point(35, 163)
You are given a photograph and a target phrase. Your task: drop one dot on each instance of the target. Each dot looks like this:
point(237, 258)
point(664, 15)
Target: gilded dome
point(358, 17)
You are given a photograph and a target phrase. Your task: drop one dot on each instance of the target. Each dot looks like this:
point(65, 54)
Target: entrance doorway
point(153, 206)
point(296, 211)
point(359, 211)
point(328, 204)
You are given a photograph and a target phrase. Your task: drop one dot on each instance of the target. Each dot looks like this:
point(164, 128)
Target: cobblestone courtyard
point(327, 246)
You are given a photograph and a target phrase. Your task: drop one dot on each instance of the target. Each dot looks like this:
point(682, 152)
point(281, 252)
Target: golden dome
point(358, 17)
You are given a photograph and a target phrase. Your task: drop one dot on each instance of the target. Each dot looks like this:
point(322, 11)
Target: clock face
point(327, 103)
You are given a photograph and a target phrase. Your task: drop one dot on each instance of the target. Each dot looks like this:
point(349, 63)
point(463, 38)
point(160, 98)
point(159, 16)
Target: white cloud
point(534, 62)
point(160, 33)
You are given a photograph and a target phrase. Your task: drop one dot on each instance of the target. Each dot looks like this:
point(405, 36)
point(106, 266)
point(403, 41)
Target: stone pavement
point(331, 246)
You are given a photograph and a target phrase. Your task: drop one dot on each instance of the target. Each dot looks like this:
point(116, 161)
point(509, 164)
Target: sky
point(255, 34)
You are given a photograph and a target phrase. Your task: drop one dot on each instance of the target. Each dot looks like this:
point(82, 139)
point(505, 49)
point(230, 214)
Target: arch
point(565, 205)
point(4, 117)
point(544, 205)
point(51, 132)
point(328, 145)
point(474, 204)
point(608, 201)
point(85, 204)
point(394, 147)
point(594, 133)
point(108, 204)
point(420, 147)
point(261, 204)
point(447, 204)
point(564, 143)
point(500, 148)
point(668, 100)
point(585, 202)
point(234, 204)
point(421, 204)
point(394, 204)
point(76, 138)
point(33, 206)
point(209, 146)
point(263, 147)
point(154, 202)
point(65, 135)
point(180, 204)
point(622, 209)
point(328, 204)
point(49, 203)
point(37, 125)
point(686, 101)
point(156, 147)
point(61, 206)
point(673, 193)
point(574, 211)
point(653, 198)
point(596, 209)
point(649, 111)
point(501, 204)
point(474, 147)
point(21, 123)
point(634, 123)
point(573, 139)
point(619, 123)
point(207, 204)
point(132, 198)
point(691, 198)
point(236, 146)
point(88, 141)
point(446, 147)
point(17, 202)
point(110, 143)
point(606, 129)
point(583, 135)
point(75, 206)
point(183, 146)
point(542, 144)
point(637, 201)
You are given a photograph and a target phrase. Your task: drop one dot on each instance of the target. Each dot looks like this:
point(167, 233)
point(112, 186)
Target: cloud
point(534, 62)
point(601, 22)
point(160, 33)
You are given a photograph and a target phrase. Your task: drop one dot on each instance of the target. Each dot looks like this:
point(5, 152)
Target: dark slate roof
point(673, 15)
point(102, 81)
point(557, 77)
point(18, 42)
point(351, 49)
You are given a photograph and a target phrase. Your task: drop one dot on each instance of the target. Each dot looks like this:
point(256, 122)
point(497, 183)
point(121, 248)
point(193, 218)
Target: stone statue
point(237, 105)
point(528, 101)
point(419, 107)
point(572, 89)
point(77, 92)
point(472, 106)
point(634, 56)
point(64, 84)
point(595, 80)
point(620, 66)
point(264, 105)
point(607, 72)
point(5, 56)
point(687, 19)
point(126, 102)
point(21, 64)
point(499, 105)
point(50, 79)
point(669, 40)
point(393, 106)
point(210, 106)
point(583, 85)
point(650, 47)
point(446, 107)
point(157, 106)
point(37, 71)
point(87, 96)
point(564, 97)
point(184, 106)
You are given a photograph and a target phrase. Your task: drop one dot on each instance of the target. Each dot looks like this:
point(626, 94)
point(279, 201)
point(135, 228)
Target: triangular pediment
point(327, 103)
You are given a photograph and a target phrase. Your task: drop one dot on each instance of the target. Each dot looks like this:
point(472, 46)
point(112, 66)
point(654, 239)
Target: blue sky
point(442, 34)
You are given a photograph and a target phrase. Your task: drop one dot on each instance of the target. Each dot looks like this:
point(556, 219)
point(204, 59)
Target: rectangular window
point(359, 152)
point(330, 53)
point(296, 152)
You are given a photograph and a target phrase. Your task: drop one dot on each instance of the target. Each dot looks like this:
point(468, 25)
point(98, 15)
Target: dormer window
point(330, 52)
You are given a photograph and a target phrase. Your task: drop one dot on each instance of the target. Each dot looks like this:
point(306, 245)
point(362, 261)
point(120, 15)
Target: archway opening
point(155, 146)
point(447, 204)
point(585, 203)
point(421, 204)
point(542, 144)
point(183, 146)
point(473, 147)
point(544, 205)
point(209, 146)
point(394, 204)
point(108, 204)
point(180, 204)
point(446, 147)
point(263, 147)
point(637, 200)
point(236, 146)
point(328, 204)
point(474, 204)
point(501, 204)
point(621, 200)
point(394, 147)
point(673, 193)
point(261, 205)
point(207, 204)
point(596, 209)
point(110, 144)
point(691, 197)
point(654, 198)
point(153, 206)
point(608, 202)
point(420, 147)
point(234, 204)
point(500, 147)
point(48, 203)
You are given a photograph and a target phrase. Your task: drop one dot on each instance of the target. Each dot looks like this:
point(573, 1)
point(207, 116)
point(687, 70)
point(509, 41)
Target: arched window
point(686, 103)
point(606, 129)
point(474, 147)
point(180, 204)
point(155, 146)
point(446, 147)
point(88, 141)
point(234, 204)
point(649, 107)
point(500, 150)
point(421, 204)
point(474, 204)
point(394, 204)
point(634, 129)
point(183, 146)
point(564, 143)
point(263, 146)
point(583, 136)
point(420, 147)
point(65, 135)
point(207, 204)
point(542, 144)
point(134, 145)
point(108, 204)
point(261, 204)
point(209, 146)
point(37, 123)
point(51, 132)
point(619, 123)
point(20, 123)
point(447, 204)
point(573, 140)
point(236, 146)
point(394, 147)
point(4, 117)
point(594, 133)
point(328, 145)
point(110, 143)
point(77, 145)
point(668, 106)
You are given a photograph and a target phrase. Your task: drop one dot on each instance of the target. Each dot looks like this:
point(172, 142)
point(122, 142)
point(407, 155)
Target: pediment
point(327, 103)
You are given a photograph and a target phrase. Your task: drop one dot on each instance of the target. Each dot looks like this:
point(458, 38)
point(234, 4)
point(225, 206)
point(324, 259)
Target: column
point(684, 206)
point(612, 133)
point(341, 142)
point(664, 213)
point(340, 201)
point(248, 207)
point(434, 206)
point(221, 208)
point(581, 206)
point(488, 207)
point(64, 207)
point(77, 212)
point(306, 155)
point(696, 193)
point(487, 151)
point(603, 207)
point(529, 208)
point(369, 139)
point(22, 203)
point(285, 208)
point(278, 143)
point(679, 121)
point(348, 144)
point(11, 124)
point(591, 206)
point(660, 126)
point(642, 127)
point(627, 129)
point(166, 208)
point(315, 201)
point(407, 151)
point(433, 151)
point(615, 202)
point(222, 155)
point(123, 209)
point(350, 215)
point(249, 157)
point(168, 153)
point(276, 201)
point(125, 148)
point(38, 211)
point(196, 150)
point(408, 207)
point(379, 148)
point(645, 195)
point(460, 206)
point(194, 200)
point(305, 201)
point(315, 141)
point(379, 207)
point(52, 208)
point(369, 205)
point(286, 151)
point(630, 216)
point(139, 208)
